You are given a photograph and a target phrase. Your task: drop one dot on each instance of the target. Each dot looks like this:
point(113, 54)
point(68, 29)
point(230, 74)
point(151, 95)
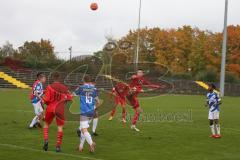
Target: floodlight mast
point(70, 53)
point(136, 56)
point(224, 50)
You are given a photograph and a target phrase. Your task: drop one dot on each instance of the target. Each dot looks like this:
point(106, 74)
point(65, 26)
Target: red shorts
point(58, 113)
point(120, 101)
point(133, 101)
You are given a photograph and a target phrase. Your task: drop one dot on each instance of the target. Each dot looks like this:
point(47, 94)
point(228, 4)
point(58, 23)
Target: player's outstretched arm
point(150, 85)
point(219, 101)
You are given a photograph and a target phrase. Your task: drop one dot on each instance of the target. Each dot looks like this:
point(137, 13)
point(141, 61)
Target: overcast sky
point(71, 22)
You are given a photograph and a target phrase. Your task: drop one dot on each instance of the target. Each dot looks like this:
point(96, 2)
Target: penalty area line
point(47, 152)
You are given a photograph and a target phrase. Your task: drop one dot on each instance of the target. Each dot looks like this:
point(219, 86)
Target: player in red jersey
point(120, 91)
point(136, 84)
point(55, 97)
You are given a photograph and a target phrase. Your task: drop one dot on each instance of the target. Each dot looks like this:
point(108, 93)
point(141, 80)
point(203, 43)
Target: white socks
point(218, 128)
point(88, 138)
point(34, 121)
point(82, 140)
point(212, 129)
point(95, 122)
point(215, 129)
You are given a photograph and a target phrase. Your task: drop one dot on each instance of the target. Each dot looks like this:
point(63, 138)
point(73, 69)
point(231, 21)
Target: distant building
point(81, 57)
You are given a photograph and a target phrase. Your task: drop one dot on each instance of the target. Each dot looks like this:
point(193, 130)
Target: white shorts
point(85, 123)
point(213, 115)
point(38, 109)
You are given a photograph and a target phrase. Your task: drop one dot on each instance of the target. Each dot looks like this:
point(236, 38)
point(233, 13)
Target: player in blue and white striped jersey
point(35, 98)
point(213, 102)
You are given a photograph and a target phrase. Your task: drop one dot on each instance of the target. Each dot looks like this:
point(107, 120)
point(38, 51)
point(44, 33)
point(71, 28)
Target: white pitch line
point(48, 152)
point(19, 110)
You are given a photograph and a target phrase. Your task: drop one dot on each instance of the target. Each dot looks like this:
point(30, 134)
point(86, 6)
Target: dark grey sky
point(71, 22)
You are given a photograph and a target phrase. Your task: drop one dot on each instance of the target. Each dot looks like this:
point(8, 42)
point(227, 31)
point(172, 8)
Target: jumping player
point(136, 84)
point(120, 91)
point(55, 97)
point(36, 97)
point(88, 104)
point(213, 102)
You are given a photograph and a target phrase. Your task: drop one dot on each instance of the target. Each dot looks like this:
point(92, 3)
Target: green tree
point(42, 51)
point(7, 50)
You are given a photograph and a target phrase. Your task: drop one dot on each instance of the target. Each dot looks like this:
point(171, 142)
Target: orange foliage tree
point(186, 49)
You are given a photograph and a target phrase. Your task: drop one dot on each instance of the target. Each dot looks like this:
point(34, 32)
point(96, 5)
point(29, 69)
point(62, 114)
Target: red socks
point(59, 138)
point(135, 118)
point(123, 113)
point(45, 134)
point(113, 111)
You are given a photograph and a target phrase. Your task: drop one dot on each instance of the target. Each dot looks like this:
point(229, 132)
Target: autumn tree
point(37, 51)
point(233, 50)
point(186, 49)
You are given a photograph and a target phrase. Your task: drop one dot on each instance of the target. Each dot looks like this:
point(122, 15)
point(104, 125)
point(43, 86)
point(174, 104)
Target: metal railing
point(74, 79)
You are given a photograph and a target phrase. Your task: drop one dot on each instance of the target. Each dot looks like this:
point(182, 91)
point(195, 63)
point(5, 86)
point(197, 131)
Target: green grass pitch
point(183, 138)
